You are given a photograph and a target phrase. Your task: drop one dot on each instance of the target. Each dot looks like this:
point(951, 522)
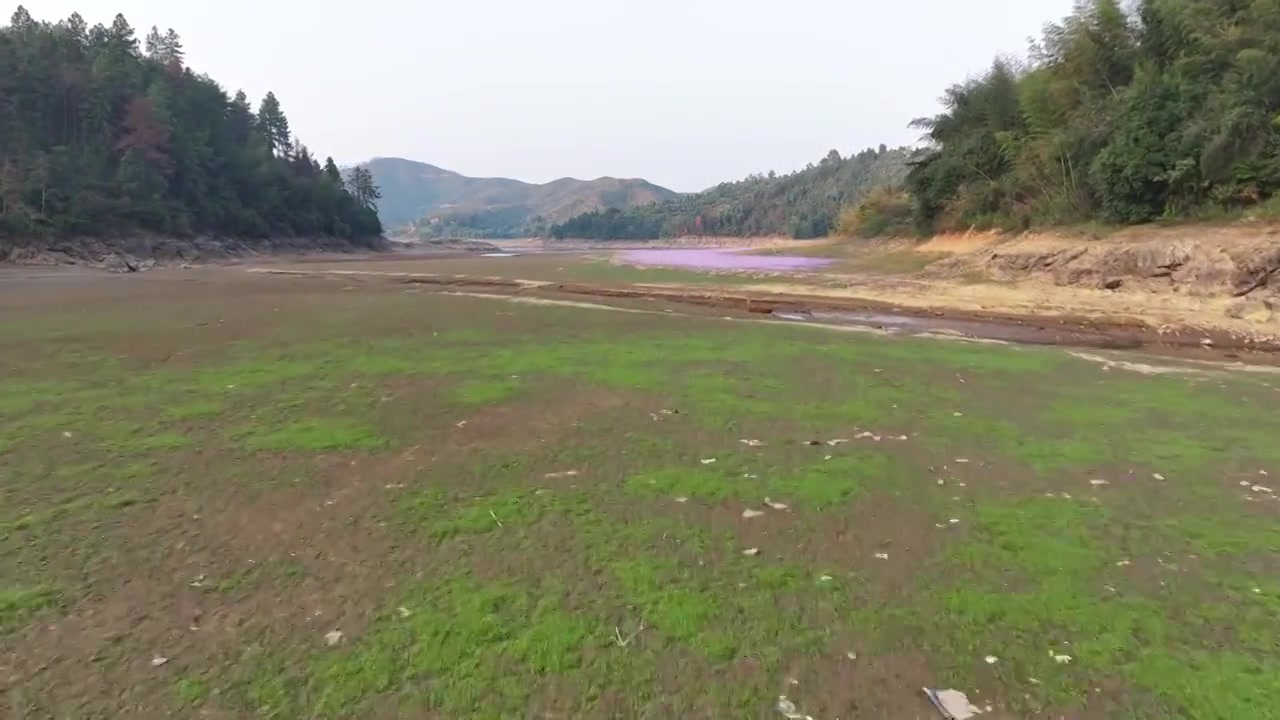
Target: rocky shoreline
point(139, 253)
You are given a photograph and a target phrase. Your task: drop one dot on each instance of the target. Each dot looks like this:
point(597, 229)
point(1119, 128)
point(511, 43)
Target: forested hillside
point(443, 203)
point(1168, 110)
point(101, 135)
point(803, 204)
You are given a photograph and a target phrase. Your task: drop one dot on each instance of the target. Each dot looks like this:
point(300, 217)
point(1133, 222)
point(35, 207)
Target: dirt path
point(808, 304)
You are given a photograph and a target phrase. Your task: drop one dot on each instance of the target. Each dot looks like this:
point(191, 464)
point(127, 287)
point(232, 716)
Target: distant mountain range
point(434, 202)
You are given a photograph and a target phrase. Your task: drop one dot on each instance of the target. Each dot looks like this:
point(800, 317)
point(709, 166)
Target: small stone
point(851, 655)
point(1060, 659)
point(333, 637)
point(66, 434)
point(962, 460)
point(1157, 476)
point(708, 461)
point(775, 505)
point(825, 578)
point(682, 499)
point(1122, 563)
point(403, 611)
point(750, 513)
point(1261, 489)
point(955, 521)
point(1098, 482)
point(751, 443)
point(751, 552)
point(158, 660)
point(882, 556)
point(992, 659)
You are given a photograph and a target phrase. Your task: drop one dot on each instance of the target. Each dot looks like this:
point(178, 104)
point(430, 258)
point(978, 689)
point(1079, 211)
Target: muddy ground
point(231, 495)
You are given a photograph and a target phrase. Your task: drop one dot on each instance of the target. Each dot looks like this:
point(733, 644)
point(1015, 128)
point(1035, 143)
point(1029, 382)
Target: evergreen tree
point(274, 125)
point(1171, 111)
point(97, 138)
point(361, 186)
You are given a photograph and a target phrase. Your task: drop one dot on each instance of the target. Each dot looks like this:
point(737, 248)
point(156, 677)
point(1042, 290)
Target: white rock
point(1098, 481)
point(750, 513)
point(751, 551)
point(992, 659)
point(882, 556)
point(708, 461)
point(333, 637)
point(158, 660)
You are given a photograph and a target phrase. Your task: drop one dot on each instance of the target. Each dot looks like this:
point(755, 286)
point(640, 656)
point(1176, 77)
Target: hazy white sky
point(685, 93)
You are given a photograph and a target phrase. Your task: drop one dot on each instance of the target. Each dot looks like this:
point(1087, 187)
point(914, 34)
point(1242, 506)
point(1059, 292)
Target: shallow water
point(721, 259)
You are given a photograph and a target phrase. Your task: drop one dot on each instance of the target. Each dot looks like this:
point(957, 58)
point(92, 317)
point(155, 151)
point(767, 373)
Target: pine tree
point(362, 187)
point(273, 125)
point(96, 138)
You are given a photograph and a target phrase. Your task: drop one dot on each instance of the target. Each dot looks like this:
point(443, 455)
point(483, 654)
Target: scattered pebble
point(749, 513)
point(958, 414)
point(708, 461)
point(751, 552)
point(752, 443)
point(461, 423)
point(333, 637)
point(962, 460)
point(851, 655)
point(1261, 489)
point(838, 441)
point(1096, 482)
point(992, 659)
point(825, 578)
point(1060, 659)
point(66, 434)
point(158, 660)
point(882, 556)
point(403, 611)
point(1245, 483)
point(789, 711)
point(1122, 563)
point(1157, 476)
point(682, 499)
point(775, 505)
point(953, 704)
point(955, 521)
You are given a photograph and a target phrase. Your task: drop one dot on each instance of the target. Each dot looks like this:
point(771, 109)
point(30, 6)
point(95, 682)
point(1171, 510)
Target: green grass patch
point(19, 604)
point(316, 434)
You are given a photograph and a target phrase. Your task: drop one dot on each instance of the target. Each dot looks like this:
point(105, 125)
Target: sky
point(684, 93)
